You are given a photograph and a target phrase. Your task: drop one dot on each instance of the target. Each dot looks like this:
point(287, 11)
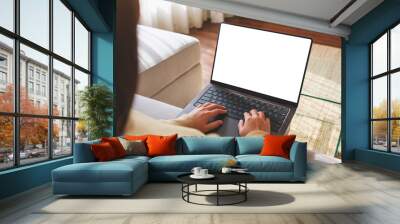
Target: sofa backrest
point(249, 145)
point(206, 145)
point(191, 146)
point(83, 153)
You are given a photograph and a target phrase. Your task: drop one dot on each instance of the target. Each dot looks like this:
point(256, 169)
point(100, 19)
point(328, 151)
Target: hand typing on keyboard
point(254, 121)
point(200, 117)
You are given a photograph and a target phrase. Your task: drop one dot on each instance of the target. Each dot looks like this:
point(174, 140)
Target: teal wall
point(24, 178)
point(356, 85)
point(98, 15)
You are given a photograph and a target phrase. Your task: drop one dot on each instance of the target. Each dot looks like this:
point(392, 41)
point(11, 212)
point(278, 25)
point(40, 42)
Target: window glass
point(395, 138)
point(6, 142)
point(379, 98)
point(62, 138)
point(81, 81)
point(33, 140)
point(62, 29)
point(379, 56)
point(81, 131)
point(81, 45)
point(34, 21)
point(7, 14)
point(395, 95)
point(379, 135)
point(6, 74)
point(62, 91)
point(395, 47)
point(39, 62)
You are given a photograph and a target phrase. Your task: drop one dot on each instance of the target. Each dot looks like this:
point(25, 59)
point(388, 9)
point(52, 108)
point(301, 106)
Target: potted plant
point(96, 103)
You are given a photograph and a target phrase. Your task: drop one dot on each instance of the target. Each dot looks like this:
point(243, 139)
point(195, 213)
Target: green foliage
point(96, 103)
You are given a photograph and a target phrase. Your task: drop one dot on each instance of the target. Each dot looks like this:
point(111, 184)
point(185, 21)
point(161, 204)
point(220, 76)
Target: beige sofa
point(169, 66)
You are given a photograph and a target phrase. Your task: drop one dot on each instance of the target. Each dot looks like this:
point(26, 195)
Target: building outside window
point(57, 127)
point(385, 91)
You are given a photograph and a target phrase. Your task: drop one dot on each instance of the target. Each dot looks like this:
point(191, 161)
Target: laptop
point(255, 69)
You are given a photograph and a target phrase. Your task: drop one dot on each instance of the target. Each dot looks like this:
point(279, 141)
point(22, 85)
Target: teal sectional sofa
point(125, 176)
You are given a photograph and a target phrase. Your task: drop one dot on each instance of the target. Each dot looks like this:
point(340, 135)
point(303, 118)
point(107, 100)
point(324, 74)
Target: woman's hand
point(254, 121)
point(200, 117)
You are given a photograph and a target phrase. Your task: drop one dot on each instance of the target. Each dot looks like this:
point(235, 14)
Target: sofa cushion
point(206, 145)
point(257, 163)
point(103, 152)
point(116, 145)
point(277, 145)
point(112, 171)
point(249, 145)
point(161, 145)
point(185, 163)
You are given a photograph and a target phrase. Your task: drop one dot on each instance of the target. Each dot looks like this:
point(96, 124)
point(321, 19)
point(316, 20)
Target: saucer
point(208, 176)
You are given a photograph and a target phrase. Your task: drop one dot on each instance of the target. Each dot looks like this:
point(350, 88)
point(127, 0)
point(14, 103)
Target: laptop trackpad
point(229, 128)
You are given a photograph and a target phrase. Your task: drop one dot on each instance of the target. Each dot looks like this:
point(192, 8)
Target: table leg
point(217, 194)
point(245, 193)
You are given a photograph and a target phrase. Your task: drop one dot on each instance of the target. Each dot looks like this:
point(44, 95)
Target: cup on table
point(196, 171)
point(203, 172)
point(226, 170)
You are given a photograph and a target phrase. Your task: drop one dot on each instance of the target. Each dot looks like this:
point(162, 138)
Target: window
point(81, 45)
point(38, 74)
point(44, 91)
point(30, 72)
point(3, 78)
point(3, 61)
point(6, 71)
point(385, 91)
point(62, 30)
point(30, 87)
point(7, 14)
point(37, 89)
point(40, 124)
point(62, 74)
point(35, 21)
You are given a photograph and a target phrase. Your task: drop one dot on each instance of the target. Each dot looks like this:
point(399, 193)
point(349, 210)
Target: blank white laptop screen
point(260, 61)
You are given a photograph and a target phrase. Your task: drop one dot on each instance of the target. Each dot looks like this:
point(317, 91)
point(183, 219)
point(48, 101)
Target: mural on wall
point(318, 117)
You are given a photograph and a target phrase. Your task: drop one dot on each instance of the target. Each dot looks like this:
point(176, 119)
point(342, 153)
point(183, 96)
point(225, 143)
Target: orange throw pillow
point(103, 152)
point(161, 145)
point(116, 145)
point(275, 145)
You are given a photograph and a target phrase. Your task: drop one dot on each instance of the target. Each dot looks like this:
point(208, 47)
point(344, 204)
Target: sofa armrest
point(83, 152)
point(298, 155)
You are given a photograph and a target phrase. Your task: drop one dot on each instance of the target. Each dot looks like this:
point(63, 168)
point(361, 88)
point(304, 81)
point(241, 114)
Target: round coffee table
point(238, 179)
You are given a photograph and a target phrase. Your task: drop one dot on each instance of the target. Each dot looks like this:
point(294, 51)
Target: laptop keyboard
point(237, 104)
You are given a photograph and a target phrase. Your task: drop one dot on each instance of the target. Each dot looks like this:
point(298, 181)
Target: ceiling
point(319, 9)
point(315, 15)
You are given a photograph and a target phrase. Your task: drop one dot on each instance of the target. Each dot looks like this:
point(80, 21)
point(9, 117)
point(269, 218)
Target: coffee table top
point(220, 178)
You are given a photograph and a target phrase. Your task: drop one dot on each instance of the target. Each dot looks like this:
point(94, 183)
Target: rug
point(166, 198)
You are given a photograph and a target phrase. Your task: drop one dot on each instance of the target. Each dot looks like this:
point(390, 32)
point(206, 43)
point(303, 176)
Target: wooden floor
point(379, 189)
point(208, 40)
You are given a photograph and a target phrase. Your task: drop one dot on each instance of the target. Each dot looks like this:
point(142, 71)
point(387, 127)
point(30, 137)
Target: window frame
point(16, 115)
point(388, 74)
